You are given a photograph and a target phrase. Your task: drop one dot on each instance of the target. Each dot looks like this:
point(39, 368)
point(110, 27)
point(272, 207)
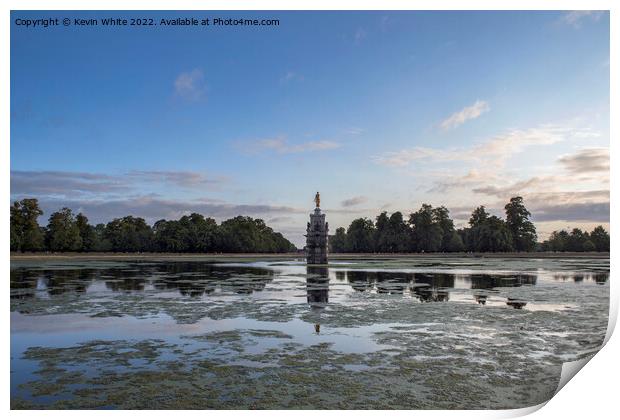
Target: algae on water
point(383, 334)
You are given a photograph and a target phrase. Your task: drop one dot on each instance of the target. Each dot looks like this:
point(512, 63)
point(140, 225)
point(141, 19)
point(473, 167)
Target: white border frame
point(592, 394)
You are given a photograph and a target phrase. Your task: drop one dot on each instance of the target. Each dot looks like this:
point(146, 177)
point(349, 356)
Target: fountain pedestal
point(316, 238)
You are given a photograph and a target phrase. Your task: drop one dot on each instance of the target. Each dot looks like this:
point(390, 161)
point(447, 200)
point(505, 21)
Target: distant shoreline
point(188, 256)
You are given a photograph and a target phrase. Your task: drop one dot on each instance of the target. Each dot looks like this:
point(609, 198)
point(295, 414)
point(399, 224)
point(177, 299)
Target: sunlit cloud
point(493, 151)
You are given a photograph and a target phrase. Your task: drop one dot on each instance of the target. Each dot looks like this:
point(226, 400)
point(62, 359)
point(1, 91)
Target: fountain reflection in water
point(317, 291)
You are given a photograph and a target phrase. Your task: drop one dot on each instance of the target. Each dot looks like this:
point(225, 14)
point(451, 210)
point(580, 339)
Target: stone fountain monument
point(316, 235)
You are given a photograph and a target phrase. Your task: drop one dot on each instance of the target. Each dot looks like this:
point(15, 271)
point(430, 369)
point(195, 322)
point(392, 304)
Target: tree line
point(66, 232)
point(577, 241)
point(432, 230)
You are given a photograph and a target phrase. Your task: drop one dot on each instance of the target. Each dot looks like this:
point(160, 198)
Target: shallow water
point(400, 333)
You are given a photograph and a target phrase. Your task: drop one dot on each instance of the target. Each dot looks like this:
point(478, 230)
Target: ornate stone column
point(316, 236)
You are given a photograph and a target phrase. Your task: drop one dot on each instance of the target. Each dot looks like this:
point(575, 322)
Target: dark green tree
point(63, 233)
point(360, 236)
point(200, 233)
point(244, 234)
point(382, 233)
point(129, 234)
point(87, 233)
point(399, 235)
point(169, 236)
point(426, 233)
point(17, 227)
point(579, 241)
point(337, 242)
point(450, 240)
point(453, 242)
point(600, 239)
point(558, 241)
point(478, 217)
point(492, 235)
point(522, 229)
point(26, 234)
point(101, 242)
point(486, 233)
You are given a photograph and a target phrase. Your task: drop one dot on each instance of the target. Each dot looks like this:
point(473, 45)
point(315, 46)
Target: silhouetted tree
point(478, 217)
point(579, 241)
point(450, 240)
point(487, 233)
point(382, 227)
point(522, 229)
point(600, 239)
point(426, 233)
point(399, 235)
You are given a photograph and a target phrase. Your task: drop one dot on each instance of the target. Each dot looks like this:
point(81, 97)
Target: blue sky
point(376, 110)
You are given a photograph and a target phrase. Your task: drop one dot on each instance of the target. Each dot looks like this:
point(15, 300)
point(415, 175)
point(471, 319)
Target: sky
point(379, 111)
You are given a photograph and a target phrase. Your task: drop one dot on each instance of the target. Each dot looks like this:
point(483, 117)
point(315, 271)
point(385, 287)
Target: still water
point(408, 333)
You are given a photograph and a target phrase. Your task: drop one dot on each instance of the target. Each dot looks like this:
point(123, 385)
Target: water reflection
point(516, 303)
point(317, 291)
point(317, 286)
point(598, 278)
point(359, 280)
point(197, 279)
point(430, 294)
point(435, 287)
point(432, 286)
point(488, 281)
point(191, 279)
point(481, 298)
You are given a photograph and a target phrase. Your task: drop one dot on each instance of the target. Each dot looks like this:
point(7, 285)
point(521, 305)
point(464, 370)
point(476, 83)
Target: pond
point(405, 333)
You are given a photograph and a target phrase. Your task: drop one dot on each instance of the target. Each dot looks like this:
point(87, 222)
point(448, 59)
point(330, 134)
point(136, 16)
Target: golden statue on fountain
point(317, 199)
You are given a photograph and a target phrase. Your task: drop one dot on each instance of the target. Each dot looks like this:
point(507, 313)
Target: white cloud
point(281, 146)
point(468, 113)
point(354, 131)
point(575, 18)
point(190, 85)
